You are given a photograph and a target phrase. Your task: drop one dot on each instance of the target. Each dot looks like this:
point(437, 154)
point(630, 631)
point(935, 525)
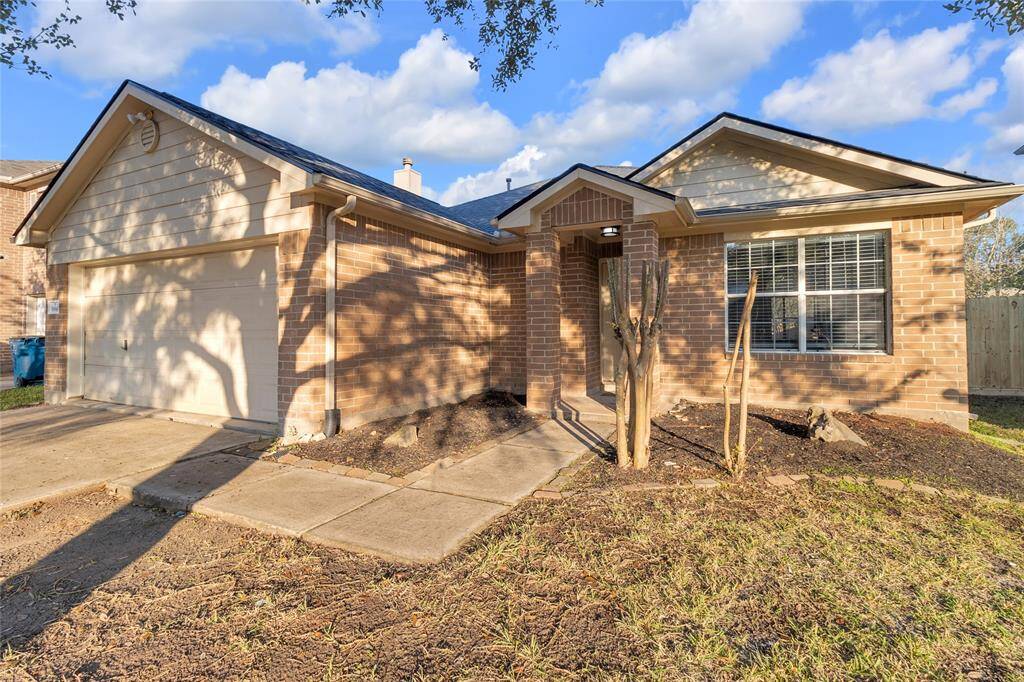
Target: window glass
point(843, 292)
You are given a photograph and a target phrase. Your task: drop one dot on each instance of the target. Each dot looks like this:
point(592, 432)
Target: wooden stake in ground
point(638, 339)
point(736, 460)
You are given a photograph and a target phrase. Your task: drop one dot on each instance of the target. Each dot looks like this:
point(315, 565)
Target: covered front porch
point(574, 227)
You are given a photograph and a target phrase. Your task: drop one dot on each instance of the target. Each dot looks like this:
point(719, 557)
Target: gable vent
point(149, 135)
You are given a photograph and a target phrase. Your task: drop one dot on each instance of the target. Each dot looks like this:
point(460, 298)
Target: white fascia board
point(818, 147)
point(645, 202)
point(995, 195)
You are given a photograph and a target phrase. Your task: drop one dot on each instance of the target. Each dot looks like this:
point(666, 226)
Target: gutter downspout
point(332, 416)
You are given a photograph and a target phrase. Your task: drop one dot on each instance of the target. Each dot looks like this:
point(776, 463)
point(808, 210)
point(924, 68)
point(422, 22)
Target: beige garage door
point(195, 334)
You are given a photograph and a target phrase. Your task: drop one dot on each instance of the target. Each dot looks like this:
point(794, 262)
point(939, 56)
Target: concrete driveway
point(49, 450)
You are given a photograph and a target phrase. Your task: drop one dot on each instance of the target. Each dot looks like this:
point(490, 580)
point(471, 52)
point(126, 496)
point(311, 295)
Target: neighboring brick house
point(198, 264)
point(22, 271)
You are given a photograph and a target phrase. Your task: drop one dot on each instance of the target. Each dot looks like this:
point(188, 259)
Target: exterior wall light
point(610, 231)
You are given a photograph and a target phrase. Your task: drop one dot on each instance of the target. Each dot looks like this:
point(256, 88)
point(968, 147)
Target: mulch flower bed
point(689, 446)
point(444, 431)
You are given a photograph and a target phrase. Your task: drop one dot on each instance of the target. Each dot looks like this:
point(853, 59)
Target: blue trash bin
point(28, 356)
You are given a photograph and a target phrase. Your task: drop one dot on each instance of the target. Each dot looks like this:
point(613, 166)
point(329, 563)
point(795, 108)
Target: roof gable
point(858, 160)
point(298, 166)
point(646, 200)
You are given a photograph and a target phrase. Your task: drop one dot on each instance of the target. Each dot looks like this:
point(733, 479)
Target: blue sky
point(623, 82)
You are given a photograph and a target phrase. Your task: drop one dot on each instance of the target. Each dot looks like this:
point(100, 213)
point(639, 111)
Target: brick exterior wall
point(414, 326)
point(22, 270)
point(424, 321)
point(581, 316)
point(301, 308)
point(925, 377)
point(508, 321)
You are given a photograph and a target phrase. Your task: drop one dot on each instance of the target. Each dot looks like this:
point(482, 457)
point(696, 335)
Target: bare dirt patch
point(444, 431)
point(818, 581)
point(898, 448)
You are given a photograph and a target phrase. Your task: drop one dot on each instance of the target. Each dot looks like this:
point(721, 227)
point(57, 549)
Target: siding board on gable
point(191, 191)
point(730, 173)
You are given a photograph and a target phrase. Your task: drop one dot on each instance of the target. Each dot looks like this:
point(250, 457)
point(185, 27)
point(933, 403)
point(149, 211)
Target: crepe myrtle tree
point(638, 357)
point(514, 29)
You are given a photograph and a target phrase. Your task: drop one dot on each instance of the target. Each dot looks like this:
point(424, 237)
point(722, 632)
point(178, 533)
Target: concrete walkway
point(58, 450)
point(422, 522)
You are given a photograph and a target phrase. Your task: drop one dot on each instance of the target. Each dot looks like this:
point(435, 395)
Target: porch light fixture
point(610, 231)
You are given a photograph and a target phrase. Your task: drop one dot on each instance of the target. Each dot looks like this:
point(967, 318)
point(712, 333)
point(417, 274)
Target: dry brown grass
point(824, 581)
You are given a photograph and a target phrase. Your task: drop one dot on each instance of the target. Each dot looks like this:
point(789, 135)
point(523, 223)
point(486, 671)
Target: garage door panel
point(195, 334)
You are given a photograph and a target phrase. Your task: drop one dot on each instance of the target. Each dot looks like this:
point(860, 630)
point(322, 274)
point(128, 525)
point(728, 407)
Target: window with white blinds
point(815, 294)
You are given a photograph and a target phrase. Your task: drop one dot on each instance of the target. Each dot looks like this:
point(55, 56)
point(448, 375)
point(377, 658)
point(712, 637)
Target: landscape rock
point(405, 436)
point(823, 425)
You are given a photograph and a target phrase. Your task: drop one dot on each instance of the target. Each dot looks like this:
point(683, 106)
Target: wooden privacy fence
point(995, 345)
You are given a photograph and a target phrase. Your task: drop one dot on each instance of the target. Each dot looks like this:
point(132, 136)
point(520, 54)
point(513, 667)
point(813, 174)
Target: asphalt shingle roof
point(15, 168)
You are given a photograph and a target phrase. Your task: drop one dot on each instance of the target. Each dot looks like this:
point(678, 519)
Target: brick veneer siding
point(301, 301)
point(56, 368)
point(22, 270)
point(543, 322)
point(508, 321)
point(581, 315)
point(924, 377)
point(414, 323)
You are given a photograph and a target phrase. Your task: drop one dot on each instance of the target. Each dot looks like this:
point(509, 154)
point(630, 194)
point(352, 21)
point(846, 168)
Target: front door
point(609, 344)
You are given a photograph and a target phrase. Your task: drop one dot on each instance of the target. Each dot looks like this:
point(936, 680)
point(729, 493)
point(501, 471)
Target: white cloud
point(1007, 125)
point(155, 43)
point(425, 108)
point(968, 100)
point(718, 45)
point(647, 86)
point(883, 80)
point(524, 167)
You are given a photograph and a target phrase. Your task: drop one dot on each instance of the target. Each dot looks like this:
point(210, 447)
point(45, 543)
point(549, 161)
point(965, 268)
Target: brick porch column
point(301, 316)
point(543, 321)
point(55, 371)
point(640, 243)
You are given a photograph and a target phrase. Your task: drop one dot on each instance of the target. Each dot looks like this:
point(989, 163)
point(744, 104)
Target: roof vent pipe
point(508, 184)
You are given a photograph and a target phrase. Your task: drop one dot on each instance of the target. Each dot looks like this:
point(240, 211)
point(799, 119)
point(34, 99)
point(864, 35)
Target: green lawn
point(999, 420)
point(20, 397)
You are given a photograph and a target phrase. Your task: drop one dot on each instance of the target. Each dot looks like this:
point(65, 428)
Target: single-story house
point(201, 265)
point(22, 271)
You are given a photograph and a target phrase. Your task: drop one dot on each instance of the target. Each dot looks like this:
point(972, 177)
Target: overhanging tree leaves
point(514, 29)
point(1008, 14)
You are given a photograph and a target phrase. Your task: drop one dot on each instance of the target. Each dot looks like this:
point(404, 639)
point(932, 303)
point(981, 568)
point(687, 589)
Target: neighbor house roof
point(16, 171)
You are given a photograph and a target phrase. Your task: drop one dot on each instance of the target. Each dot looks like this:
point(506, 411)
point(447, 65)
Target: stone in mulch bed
point(925, 452)
point(443, 431)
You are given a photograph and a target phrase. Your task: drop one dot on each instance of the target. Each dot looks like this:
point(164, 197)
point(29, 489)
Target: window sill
point(814, 353)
